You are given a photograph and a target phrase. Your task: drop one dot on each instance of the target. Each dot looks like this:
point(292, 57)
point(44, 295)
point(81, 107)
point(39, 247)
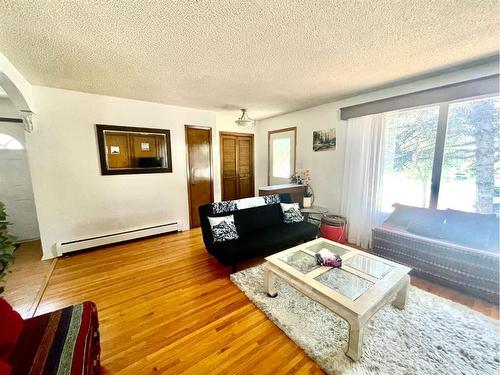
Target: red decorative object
point(12, 325)
point(334, 228)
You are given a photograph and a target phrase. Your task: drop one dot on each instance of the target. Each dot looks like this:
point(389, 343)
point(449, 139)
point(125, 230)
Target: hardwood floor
point(28, 278)
point(166, 306)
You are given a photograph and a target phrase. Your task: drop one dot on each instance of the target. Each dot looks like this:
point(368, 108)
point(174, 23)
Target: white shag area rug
point(431, 335)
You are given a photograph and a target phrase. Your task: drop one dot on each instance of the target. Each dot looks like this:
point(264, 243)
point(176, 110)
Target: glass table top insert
point(301, 261)
point(344, 282)
point(369, 266)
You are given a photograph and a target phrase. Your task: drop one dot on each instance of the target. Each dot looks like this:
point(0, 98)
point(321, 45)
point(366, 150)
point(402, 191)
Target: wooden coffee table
point(363, 285)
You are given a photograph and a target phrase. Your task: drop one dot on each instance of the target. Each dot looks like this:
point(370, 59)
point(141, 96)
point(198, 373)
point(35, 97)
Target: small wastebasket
point(334, 227)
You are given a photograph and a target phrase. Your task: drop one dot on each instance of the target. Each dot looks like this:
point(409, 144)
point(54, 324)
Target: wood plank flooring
point(166, 306)
point(29, 276)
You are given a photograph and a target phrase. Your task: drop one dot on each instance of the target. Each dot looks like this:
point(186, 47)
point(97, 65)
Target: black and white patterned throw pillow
point(291, 213)
point(272, 199)
point(225, 206)
point(223, 228)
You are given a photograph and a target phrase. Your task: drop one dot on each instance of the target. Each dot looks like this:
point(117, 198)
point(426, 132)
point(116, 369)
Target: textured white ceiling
point(272, 56)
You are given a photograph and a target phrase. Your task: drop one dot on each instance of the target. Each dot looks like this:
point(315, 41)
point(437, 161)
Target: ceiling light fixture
point(244, 120)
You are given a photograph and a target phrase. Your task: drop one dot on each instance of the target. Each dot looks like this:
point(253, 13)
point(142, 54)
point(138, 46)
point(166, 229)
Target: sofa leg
point(234, 268)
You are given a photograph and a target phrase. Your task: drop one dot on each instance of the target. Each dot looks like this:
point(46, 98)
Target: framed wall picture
point(127, 150)
point(324, 140)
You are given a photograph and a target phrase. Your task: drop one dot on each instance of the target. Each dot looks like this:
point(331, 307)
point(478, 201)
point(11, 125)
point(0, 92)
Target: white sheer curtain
point(363, 172)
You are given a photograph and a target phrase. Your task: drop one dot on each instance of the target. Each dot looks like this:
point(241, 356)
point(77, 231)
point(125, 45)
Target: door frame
point(188, 172)
point(221, 158)
point(294, 129)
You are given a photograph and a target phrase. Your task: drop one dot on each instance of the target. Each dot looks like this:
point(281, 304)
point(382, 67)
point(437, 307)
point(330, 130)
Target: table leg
point(355, 344)
point(269, 279)
point(400, 300)
point(306, 216)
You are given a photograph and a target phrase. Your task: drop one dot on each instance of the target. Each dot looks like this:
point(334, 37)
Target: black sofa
point(261, 231)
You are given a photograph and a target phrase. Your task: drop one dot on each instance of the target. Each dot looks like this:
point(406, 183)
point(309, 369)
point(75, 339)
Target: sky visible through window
point(8, 142)
point(281, 158)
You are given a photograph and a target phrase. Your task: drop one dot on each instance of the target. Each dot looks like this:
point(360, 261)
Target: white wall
point(8, 110)
point(16, 86)
point(327, 167)
point(73, 199)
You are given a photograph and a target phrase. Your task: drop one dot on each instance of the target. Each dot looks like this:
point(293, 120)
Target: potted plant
point(305, 179)
point(308, 197)
point(7, 246)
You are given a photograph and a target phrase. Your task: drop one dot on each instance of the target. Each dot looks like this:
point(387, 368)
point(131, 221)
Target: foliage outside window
point(470, 179)
point(409, 142)
point(470, 174)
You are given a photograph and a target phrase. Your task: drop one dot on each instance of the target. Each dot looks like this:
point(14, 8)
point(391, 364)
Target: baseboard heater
point(106, 239)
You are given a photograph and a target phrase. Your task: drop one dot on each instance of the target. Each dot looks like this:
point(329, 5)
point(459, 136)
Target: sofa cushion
point(432, 226)
point(223, 228)
point(281, 235)
point(12, 325)
point(403, 215)
point(251, 219)
point(495, 237)
point(264, 240)
point(469, 229)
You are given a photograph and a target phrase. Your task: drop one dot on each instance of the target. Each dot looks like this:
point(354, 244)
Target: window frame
point(439, 147)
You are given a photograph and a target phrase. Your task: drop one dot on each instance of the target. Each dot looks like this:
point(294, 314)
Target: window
point(470, 179)
point(8, 142)
point(281, 155)
point(443, 156)
point(281, 158)
point(409, 142)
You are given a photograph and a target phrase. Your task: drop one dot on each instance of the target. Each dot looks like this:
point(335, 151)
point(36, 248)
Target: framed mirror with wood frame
point(129, 150)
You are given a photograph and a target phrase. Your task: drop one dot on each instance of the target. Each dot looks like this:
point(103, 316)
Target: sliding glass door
point(470, 179)
point(409, 143)
point(443, 156)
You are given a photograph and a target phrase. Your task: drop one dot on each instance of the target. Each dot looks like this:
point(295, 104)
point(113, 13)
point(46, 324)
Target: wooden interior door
point(237, 175)
point(199, 167)
point(245, 167)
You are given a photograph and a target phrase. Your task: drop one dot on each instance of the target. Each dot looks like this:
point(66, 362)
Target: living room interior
point(236, 187)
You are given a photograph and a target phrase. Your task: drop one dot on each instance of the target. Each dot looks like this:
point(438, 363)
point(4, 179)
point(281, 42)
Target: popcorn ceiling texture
point(273, 56)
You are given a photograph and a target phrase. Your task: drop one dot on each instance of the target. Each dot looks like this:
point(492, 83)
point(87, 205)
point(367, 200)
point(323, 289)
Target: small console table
point(314, 214)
